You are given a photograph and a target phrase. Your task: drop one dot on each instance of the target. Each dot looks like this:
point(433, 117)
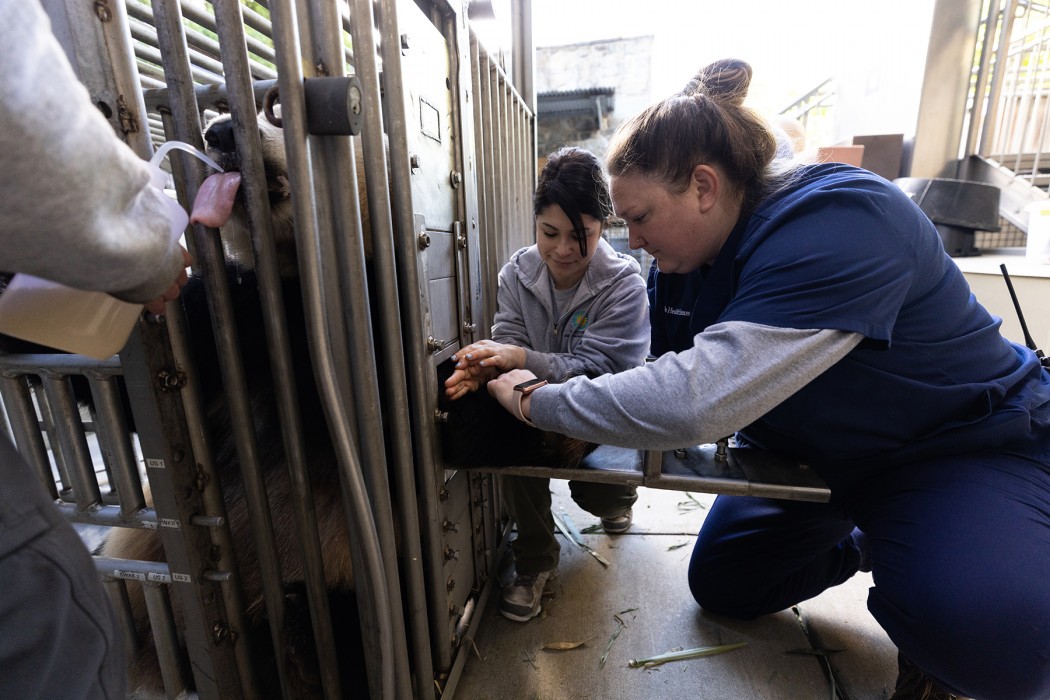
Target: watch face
point(525, 387)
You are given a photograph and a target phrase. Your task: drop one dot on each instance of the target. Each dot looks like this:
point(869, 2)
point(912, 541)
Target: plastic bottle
point(88, 323)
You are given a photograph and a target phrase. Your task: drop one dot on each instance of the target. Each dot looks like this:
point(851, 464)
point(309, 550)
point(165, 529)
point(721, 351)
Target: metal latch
point(334, 106)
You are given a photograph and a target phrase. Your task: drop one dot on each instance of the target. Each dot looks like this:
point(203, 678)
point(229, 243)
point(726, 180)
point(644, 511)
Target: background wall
point(622, 64)
point(874, 50)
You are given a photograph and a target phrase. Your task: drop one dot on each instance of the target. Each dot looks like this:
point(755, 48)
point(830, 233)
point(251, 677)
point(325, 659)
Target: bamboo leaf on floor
point(564, 646)
point(691, 504)
point(683, 655)
point(814, 652)
point(568, 528)
point(619, 628)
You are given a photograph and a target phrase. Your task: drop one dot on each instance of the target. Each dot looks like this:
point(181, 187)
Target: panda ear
point(272, 107)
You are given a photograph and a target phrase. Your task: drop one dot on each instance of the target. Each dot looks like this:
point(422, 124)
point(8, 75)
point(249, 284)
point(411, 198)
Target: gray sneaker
point(522, 600)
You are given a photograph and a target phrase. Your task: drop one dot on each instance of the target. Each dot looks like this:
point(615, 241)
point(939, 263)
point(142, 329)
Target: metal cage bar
point(368, 559)
point(22, 417)
point(165, 637)
point(117, 590)
point(345, 275)
point(209, 257)
point(72, 442)
point(410, 298)
point(115, 441)
point(375, 169)
point(241, 96)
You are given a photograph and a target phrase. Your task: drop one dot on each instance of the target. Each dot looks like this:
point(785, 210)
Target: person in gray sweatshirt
point(567, 306)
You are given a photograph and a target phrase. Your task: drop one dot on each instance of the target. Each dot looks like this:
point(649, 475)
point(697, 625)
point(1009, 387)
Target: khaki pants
point(528, 500)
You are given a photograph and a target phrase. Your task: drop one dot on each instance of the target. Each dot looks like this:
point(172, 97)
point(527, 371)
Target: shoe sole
point(618, 528)
point(520, 618)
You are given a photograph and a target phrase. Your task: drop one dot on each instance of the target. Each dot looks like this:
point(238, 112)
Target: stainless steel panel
point(459, 549)
point(443, 313)
point(430, 130)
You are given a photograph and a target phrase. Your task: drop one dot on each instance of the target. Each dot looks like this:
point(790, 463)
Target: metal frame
point(160, 69)
point(717, 468)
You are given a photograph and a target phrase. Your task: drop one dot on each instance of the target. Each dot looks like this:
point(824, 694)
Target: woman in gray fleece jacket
point(568, 305)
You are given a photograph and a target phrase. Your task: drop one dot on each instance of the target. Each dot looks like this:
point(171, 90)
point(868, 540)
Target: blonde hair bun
point(726, 80)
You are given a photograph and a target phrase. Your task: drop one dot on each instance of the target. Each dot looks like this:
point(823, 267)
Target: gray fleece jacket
point(604, 329)
point(76, 205)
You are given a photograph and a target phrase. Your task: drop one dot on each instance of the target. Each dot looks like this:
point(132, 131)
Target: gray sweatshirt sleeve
point(76, 201)
point(734, 373)
point(508, 324)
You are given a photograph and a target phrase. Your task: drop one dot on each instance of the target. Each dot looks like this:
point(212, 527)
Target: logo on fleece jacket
point(579, 320)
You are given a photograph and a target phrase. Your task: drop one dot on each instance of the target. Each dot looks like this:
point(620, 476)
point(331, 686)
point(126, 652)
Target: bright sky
point(792, 45)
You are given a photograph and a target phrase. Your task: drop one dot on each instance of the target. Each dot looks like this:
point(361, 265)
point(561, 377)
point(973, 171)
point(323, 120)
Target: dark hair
point(706, 122)
point(574, 179)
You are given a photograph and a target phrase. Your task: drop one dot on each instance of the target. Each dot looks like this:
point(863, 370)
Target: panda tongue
point(214, 202)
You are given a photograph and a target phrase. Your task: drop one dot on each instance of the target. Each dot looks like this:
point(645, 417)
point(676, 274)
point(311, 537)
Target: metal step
point(703, 468)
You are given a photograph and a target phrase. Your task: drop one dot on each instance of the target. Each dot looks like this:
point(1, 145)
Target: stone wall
point(625, 65)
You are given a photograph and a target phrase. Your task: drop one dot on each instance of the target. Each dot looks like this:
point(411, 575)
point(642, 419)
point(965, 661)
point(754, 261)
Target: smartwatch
point(530, 386)
point(524, 389)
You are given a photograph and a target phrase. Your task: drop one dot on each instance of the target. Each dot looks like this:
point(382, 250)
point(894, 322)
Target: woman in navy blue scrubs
point(812, 311)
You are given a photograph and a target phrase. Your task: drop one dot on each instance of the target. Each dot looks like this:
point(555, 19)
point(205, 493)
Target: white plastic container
point(88, 323)
point(75, 320)
point(1037, 248)
point(45, 312)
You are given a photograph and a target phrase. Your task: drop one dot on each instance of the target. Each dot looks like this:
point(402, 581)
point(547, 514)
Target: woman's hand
point(156, 306)
point(502, 389)
point(481, 362)
point(488, 353)
point(470, 378)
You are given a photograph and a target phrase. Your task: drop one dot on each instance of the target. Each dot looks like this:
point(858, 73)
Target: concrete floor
point(640, 606)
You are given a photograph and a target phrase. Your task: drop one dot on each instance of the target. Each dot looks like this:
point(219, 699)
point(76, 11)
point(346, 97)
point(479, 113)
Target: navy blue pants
point(960, 556)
